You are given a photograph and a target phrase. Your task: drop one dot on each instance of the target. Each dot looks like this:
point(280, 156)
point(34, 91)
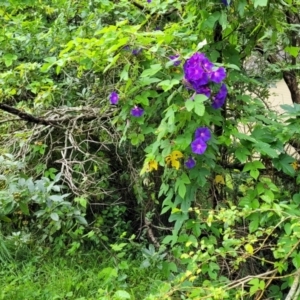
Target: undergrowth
point(84, 277)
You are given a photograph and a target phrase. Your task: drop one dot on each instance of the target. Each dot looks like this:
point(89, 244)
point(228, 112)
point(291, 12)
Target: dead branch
point(89, 114)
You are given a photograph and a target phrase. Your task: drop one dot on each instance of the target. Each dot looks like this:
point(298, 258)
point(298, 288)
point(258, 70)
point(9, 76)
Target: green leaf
point(253, 166)
point(199, 98)
point(241, 7)
point(121, 42)
point(81, 220)
point(258, 164)
point(183, 140)
point(181, 189)
point(54, 216)
point(9, 58)
point(56, 198)
point(168, 84)
point(296, 198)
point(46, 67)
point(260, 3)
point(268, 197)
point(147, 81)
point(142, 99)
point(199, 109)
point(249, 249)
point(5, 219)
point(196, 229)
point(253, 226)
point(120, 295)
point(124, 73)
point(118, 247)
point(296, 261)
point(82, 201)
point(189, 104)
point(24, 208)
point(243, 136)
point(283, 163)
point(223, 19)
point(50, 59)
point(255, 286)
point(263, 134)
point(291, 109)
point(112, 62)
point(288, 228)
point(265, 149)
point(242, 154)
point(232, 66)
point(152, 71)
point(211, 20)
point(185, 179)
point(170, 239)
point(293, 51)
point(254, 173)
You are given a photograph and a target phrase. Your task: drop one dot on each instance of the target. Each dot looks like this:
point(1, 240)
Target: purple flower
point(225, 2)
point(190, 163)
point(199, 59)
point(198, 146)
point(126, 48)
point(196, 76)
point(194, 73)
point(149, 1)
point(206, 64)
point(218, 75)
point(137, 111)
point(136, 51)
point(177, 62)
point(203, 89)
point(200, 73)
point(203, 133)
point(114, 98)
point(220, 97)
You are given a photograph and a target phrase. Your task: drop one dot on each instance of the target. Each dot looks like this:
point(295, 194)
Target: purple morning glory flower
point(114, 98)
point(136, 51)
point(203, 89)
point(207, 65)
point(218, 75)
point(200, 73)
point(220, 97)
point(194, 73)
point(196, 76)
point(203, 133)
point(149, 1)
point(190, 163)
point(199, 59)
point(225, 2)
point(137, 111)
point(126, 48)
point(177, 62)
point(198, 146)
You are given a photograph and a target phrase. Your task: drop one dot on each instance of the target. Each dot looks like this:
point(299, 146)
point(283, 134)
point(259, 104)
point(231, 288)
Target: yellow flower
point(295, 165)
point(149, 166)
point(172, 159)
point(219, 179)
point(152, 165)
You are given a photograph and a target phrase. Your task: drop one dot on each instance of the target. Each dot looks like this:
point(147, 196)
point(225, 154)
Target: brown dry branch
point(151, 234)
point(295, 288)
point(73, 139)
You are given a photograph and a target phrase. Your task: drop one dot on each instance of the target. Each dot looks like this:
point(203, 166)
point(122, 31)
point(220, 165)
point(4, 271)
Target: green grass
point(86, 277)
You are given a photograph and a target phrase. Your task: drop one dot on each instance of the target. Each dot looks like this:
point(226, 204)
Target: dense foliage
point(142, 129)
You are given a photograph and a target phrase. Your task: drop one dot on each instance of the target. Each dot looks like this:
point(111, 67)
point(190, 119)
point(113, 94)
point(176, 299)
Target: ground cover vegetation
point(124, 170)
